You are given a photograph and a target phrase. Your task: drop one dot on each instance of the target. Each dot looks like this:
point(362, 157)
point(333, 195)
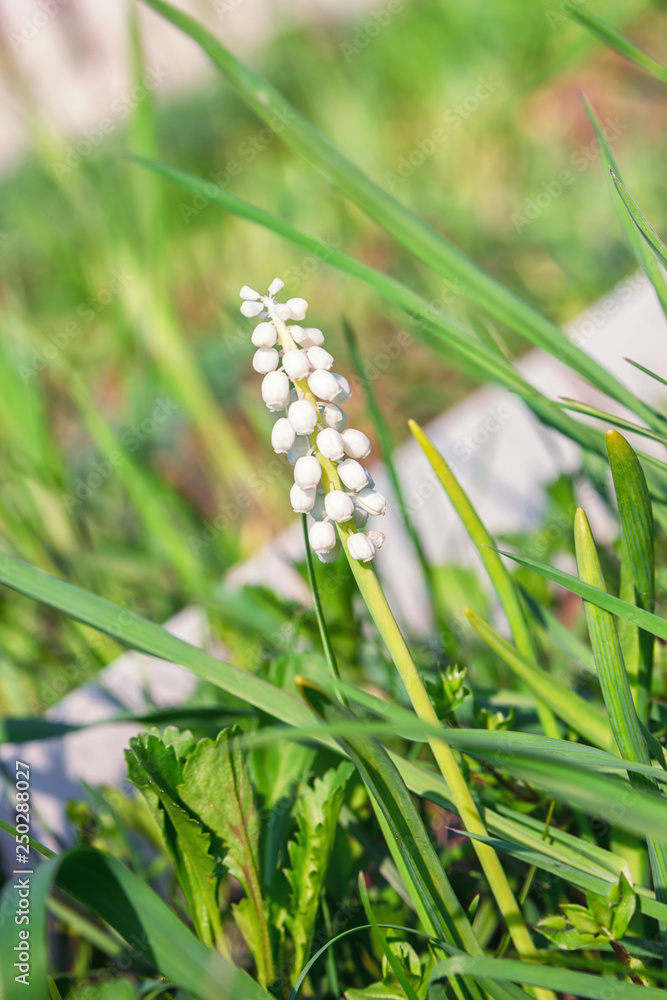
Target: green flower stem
point(386, 624)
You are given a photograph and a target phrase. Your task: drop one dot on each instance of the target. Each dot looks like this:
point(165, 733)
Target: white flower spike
point(329, 482)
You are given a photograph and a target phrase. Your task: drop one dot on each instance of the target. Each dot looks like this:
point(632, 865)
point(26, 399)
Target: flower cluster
point(330, 484)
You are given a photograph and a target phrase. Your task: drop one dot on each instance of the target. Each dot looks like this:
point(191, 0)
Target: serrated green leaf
point(216, 787)
point(317, 810)
point(154, 767)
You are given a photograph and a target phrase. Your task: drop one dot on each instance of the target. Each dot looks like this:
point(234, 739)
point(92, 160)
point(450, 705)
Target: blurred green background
point(130, 418)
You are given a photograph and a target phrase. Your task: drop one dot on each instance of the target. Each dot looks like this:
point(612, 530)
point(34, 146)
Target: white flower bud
point(302, 414)
point(323, 385)
point(357, 444)
point(344, 391)
point(330, 443)
point(296, 363)
point(318, 513)
point(264, 335)
point(377, 538)
point(249, 293)
point(275, 390)
point(322, 536)
point(372, 501)
point(360, 517)
point(282, 311)
point(360, 547)
point(276, 286)
point(298, 308)
point(282, 436)
point(339, 506)
point(251, 309)
point(333, 416)
point(300, 448)
point(307, 336)
point(319, 358)
point(265, 360)
point(353, 475)
point(331, 555)
point(307, 472)
point(302, 500)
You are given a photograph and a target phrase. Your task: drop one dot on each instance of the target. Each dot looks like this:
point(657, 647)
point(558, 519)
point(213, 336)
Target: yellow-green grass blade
point(614, 683)
point(636, 513)
point(614, 39)
point(502, 582)
point(410, 231)
point(611, 418)
point(644, 257)
point(569, 706)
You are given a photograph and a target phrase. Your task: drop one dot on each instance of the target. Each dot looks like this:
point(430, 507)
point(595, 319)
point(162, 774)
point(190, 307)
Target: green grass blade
point(610, 418)
point(636, 513)
point(571, 708)
point(644, 257)
point(498, 573)
point(395, 965)
point(615, 40)
point(565, 981)
point(640, 221)
point(418, 238)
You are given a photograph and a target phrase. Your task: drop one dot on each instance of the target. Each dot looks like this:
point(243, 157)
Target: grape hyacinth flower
point(329, 482)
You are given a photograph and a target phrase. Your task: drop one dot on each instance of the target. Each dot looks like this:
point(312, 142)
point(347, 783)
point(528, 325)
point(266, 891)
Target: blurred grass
point(112, 282)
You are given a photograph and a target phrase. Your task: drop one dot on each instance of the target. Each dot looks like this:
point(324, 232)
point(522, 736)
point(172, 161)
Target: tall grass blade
point(640, 221)
point(615, 40)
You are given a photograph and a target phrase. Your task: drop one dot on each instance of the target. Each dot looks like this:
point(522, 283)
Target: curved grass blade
point(644, 257)
point(153, 932)
point(576, 712)
point(611, 418)
point(640, 221)
point(614, 39)
point(615, 685)
point(498, 573)
point(636, 513)
point(411, 232)
point(565, 981)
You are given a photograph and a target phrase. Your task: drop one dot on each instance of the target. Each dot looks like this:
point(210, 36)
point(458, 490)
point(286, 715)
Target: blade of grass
point(614, 39)
point(644, 257)
point(615, 686)
point(502, 582)
point(640, 221)
point(636, 513)
point(412, 233)
point(395, 965)
point(319, 610)
point(611, 418)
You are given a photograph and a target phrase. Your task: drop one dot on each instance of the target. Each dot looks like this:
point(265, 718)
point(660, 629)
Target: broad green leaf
point(614, 39)
point(583, 717)
point(216, 787)
point(317, 810)
point(411, 232)
point(499, 576)
point(152, 931)
point(636, 513)
point(154, 768)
